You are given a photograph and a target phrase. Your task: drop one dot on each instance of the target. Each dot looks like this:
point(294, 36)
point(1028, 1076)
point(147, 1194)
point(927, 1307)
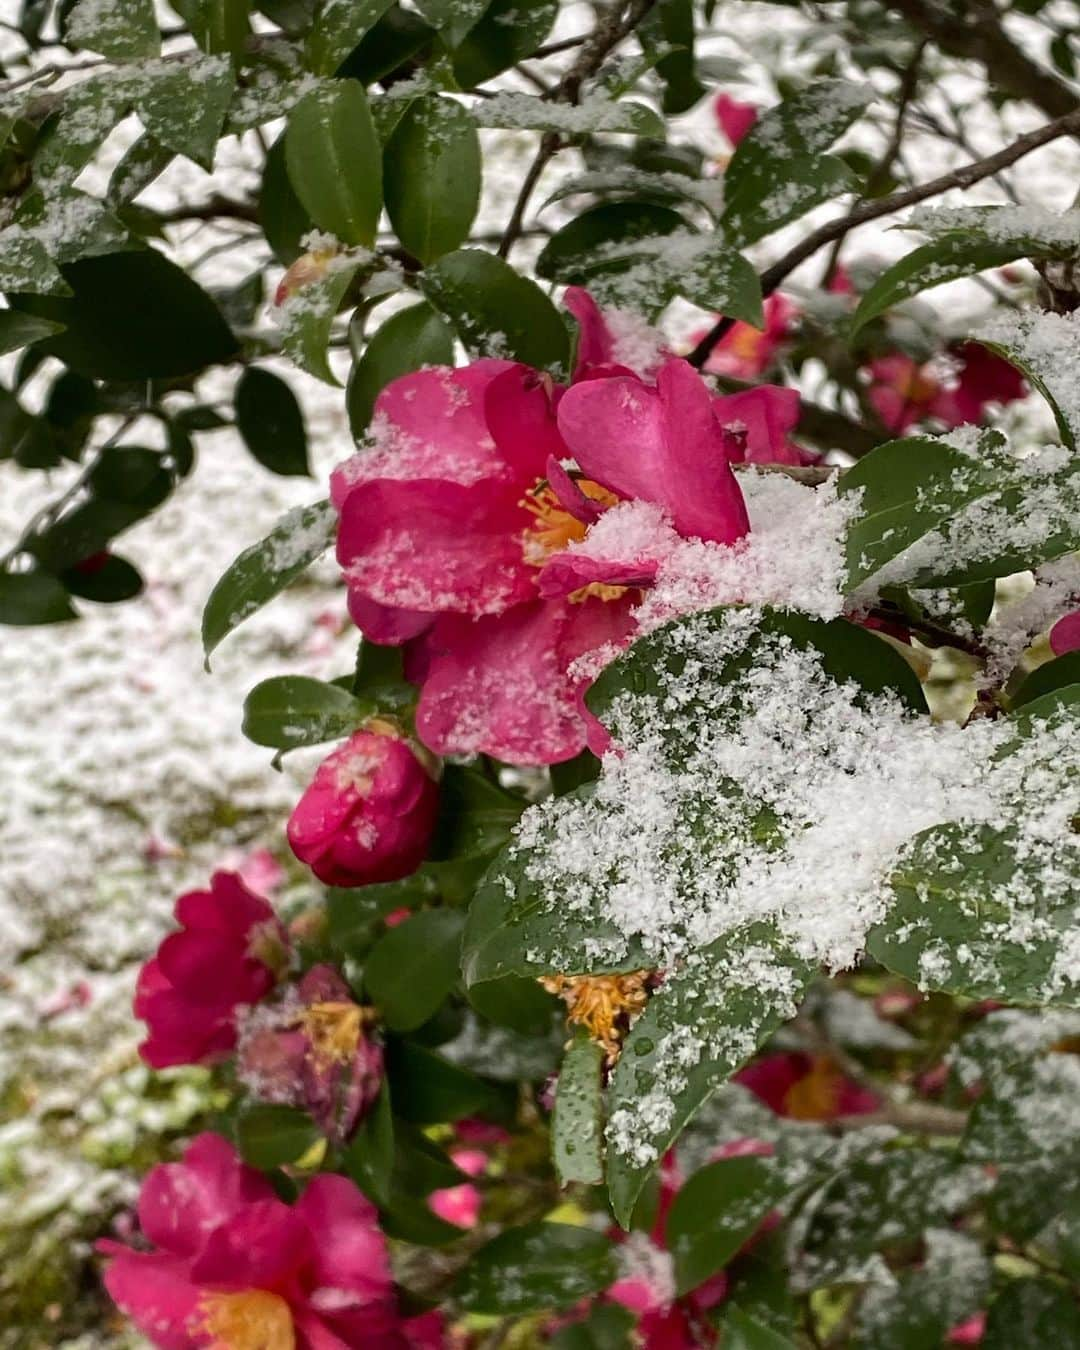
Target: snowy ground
point(124, 776)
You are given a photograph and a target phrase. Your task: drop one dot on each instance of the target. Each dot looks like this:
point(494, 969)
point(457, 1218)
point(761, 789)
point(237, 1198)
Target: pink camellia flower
point(1065, 634)
point(805, 1087)
point(369, 812)
point(230, 953)
point(903, 393)
point(314, 1049)
point(744, 352)
point(734, 118)
point(460, 1205)
point(969, 1332)
point(232, 1265)
point(760, 421)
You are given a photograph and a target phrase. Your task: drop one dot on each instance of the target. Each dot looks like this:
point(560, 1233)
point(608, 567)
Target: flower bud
point(369, 812)
point(308, 268)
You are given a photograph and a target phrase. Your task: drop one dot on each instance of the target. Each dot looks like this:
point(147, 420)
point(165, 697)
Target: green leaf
point(530, 112)
point(142, 162)
point(1023, 341)
point(706, 1020)
point(288, 711)
point(1045, 679)
point(592, 241)
point(947, 258)
point(413, 967)
point(577, 1119)
point(607, 1327)
point(271, 1135)
point(218, 25)
point(992, 912)
point(369, 1158)
point(111, 582)
point(335, 161)
point(183, 105)
point(779, 170)
point(71, 137)
point(744, 1332)
point(429, 1090)
point(282, 215)
point(432, 172)
point(670, 27)
point(337, 29)
point(934, 515)
point(26, 266)
point(269, 419)
point(496, 311)
point(509, 31)
point(111, 333)
point(122, 30)
point(1032, 1314)
point(307, 316)
point(717, 1210)
point(266, 568)
point(408, 340)
point(541, 1267)
point(22, 330)
point(28, 598)
point(453, 18)
point(921, 1306)
point(524, 1005)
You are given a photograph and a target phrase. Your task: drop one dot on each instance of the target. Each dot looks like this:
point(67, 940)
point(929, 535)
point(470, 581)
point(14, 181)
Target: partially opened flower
point(233, 1266)
point(805, 1087)
point(314, 1048)
point(229, 954)
point(760, 421)
point(369, 813)
point(734, 118)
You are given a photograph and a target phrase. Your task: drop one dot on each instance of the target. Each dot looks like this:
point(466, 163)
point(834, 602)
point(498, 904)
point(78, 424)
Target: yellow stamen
point(815, 1095)
point(334, 1030)
point(554, 526)
point(254, 1319)
point(602, 1004)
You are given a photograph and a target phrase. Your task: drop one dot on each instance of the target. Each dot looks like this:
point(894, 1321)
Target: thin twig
point(962, 177)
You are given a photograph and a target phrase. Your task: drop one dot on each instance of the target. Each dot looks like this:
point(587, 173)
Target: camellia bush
point(697, 960)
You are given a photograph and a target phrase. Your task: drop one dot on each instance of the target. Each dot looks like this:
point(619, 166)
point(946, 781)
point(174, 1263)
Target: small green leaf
point(122, 30)
point(266, 568)
point(369, 1158)
point(743, 1332)
point(1045, 679)
point(288, 711)
point(218, 25)
point(337, 29)
point(1024, 343)
point(183, 105)
point(334, 161)
point(541, 1267)
point(429, 1090)
point(509, 31)
point(25, 265)
point(593, 241)
point(432, 172)
point(496, 311)
point(28, 598)
point(577, 1119)
point(114, 580)
point(282, 215)
point(21, 330)
point(307, 316)
point(271, 1135)
point(453, 18)
point(716, 1211)
point(409, 339)
point(413, 967)
point(269, 419)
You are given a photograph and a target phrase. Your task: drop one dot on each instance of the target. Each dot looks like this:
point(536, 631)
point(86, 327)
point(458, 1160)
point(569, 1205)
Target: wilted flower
point(230, 953)
point(369, 812)
point(314, 1048)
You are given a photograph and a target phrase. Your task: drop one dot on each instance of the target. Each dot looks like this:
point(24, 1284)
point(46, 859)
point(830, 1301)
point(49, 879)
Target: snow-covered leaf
point(529, 112)
point(432, 177)
point(308, 314)
point(122, 30)
point(183, 104)
point(337, 28)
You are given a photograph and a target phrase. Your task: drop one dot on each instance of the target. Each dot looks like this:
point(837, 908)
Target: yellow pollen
point(917, 387)
point(554, 526)
point(334, 1030)
point(602, 1004)
point(815, 1095)
point(252, 1320)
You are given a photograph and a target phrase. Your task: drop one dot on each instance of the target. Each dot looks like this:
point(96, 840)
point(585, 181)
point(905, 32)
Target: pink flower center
point(554, 527)
point(253, 1319)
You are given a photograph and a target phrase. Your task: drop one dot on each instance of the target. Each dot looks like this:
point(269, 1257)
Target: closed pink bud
point(369, 812)
point(309, 267)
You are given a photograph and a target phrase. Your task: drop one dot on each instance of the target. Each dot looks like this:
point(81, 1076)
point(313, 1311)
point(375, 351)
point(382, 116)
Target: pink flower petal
point(566, 573)
point(661, 445)
point(349, 1249)
point(157, 1294)
point(596, 344)
point(519, 407)
point(260, 1247)
point(735, 118)
point(1065, 634)
point(761, 419)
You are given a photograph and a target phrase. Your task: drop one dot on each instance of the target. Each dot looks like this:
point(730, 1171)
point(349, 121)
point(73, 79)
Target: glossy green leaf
point(541, 1267)
point(334, 161)
point(577, 1118)
point(670, 28)
point(608, 1326)
point(21, 330)
point(25, 265)
point(408, 340)
point(772, 194)
point(270, 1135)
point(430, 1090)
point(28, 598)
point(496, 311)
point(183, 106)
point(123, 30)
point(218, 25)
point(269, 419)
point(716, 1211)
point(413, 967)
point(1025, 345)
point(1060, 673)
point(528, 112)
point(307, 316)
point(114, 580)
point(288, 711)
point(432, 174)
point(453, 18)
point(264, 569)
point(337, 29)
point(111, 333)
point(594, 240)
point(509, 31)
point(282, 215)
point(369, 1158)
point(142, 162)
